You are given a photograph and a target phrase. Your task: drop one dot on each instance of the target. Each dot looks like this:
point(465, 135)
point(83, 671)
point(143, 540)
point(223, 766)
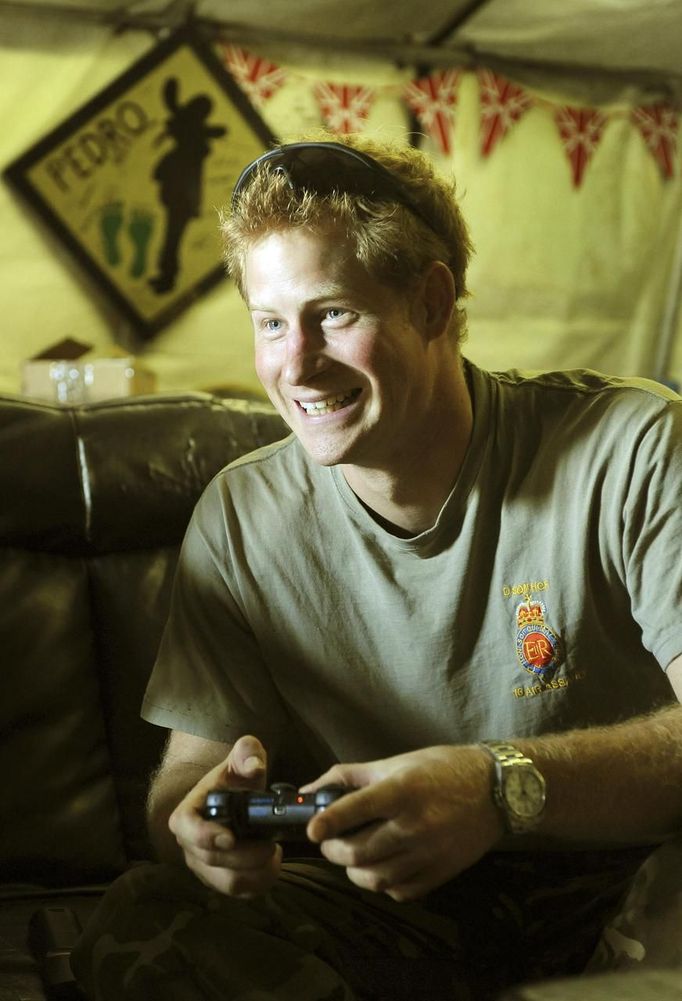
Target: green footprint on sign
point(140, 229)
point(111, 220)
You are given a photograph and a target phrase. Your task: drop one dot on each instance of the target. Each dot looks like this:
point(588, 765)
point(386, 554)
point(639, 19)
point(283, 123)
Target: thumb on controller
point(246, 764)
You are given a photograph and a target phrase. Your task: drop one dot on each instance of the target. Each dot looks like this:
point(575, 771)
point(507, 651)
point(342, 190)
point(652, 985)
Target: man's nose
point(305, 354)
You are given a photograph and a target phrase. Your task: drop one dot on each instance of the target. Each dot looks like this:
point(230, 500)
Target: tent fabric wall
point(566, 277)
point(561, 277)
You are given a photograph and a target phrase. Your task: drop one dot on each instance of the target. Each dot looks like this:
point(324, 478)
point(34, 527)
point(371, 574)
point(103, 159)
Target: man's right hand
point(236, 868)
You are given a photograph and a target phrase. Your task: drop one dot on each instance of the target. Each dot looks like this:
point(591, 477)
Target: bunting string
point(502, 105)
point(258, 78)
point(659, 125)
point(580, 130)
point(433, 99)
point(344, 109)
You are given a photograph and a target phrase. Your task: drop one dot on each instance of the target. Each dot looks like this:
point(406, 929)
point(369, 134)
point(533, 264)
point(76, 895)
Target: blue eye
point(273, 325)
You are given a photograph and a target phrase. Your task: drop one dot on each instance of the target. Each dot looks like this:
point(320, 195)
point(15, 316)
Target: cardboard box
point(70, 373)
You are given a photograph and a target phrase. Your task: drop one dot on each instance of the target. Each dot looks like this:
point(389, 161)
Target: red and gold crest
point(537, 646)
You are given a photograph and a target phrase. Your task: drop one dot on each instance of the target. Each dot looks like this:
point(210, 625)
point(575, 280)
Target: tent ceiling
point(606, 44)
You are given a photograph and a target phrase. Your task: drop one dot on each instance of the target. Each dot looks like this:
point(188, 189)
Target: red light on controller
point(299, 799)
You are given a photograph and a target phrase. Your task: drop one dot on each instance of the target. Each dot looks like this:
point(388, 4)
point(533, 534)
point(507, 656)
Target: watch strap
point(504, 752)
point(508, 757)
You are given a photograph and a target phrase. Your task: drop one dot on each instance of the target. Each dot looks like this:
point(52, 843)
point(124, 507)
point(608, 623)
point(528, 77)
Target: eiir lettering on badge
point(537, 646)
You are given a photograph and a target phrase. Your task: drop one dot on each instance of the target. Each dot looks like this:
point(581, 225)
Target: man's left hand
point(424, 817)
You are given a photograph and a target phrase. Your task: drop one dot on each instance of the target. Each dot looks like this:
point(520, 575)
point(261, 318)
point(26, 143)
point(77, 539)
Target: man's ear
point(437, 299)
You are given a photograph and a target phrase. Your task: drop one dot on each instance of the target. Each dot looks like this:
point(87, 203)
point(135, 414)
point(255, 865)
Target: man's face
point(338, 353)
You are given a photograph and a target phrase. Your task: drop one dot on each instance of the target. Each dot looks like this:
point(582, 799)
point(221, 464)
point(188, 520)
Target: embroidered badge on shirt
point(537, 646)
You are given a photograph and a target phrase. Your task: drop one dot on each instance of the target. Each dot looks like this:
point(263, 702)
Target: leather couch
point(94, 501)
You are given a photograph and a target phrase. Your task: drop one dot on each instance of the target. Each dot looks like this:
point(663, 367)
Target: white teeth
point(328, 406)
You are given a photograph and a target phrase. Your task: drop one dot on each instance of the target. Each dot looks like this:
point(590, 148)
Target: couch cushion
point(40, 485)
point(59, 802)
point(145, 461)
point(95, 502)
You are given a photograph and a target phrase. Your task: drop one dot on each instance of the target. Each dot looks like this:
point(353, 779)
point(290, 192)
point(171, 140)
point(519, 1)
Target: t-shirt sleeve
point(652, 534)
point(209, 678)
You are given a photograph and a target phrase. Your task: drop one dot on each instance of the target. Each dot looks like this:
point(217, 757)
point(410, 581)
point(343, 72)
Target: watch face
point(524, 792)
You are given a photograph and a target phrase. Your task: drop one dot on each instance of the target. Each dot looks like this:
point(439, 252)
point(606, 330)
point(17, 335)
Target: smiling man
point(365, 378)
point(455, 593)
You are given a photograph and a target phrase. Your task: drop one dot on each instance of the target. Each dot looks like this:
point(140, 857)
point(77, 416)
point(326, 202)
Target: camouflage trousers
point(160, 935)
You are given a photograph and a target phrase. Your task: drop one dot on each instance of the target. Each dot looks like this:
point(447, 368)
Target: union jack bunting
point(259, 78)
point(580, 130)
point(502, 104)
point(433, 99)
point(658, 124)
point(344, 107)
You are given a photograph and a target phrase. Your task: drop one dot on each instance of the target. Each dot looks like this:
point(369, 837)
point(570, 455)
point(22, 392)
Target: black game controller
point(280, 814)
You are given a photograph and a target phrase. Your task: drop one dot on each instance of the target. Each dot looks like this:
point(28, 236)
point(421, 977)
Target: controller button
point(283, 793)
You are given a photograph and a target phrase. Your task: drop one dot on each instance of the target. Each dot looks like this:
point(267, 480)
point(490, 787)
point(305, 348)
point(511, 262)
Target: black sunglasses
point(325, 167)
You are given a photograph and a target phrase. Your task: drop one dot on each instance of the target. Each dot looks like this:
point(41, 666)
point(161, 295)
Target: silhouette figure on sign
point(179, 174)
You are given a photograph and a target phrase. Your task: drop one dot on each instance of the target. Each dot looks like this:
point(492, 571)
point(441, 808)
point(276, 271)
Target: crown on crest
point(530, 613)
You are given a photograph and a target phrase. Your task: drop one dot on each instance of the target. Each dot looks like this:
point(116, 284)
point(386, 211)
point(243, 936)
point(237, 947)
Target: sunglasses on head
point(326, 167)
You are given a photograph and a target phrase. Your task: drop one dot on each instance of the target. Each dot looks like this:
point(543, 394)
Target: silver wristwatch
point(518, 787)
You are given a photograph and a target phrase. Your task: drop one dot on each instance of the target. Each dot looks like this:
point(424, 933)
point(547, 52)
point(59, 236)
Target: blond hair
point(389, 240)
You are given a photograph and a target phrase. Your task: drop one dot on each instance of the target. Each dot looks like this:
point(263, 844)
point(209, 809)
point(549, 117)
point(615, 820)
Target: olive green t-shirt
point(547, 595)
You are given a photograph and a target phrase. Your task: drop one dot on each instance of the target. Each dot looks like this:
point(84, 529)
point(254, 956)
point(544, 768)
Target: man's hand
point(430, 815)
point(236, 868)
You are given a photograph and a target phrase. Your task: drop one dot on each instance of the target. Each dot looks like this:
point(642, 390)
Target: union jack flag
point(344, 106)
point(502, 104)
point(258, 78)
point(433, 99)
point(580, 130)
point(658, 124)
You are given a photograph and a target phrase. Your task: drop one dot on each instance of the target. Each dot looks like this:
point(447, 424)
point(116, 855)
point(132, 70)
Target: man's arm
point(613, 785)
point(432, 815)
point(191, 767)
point(186, 760)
